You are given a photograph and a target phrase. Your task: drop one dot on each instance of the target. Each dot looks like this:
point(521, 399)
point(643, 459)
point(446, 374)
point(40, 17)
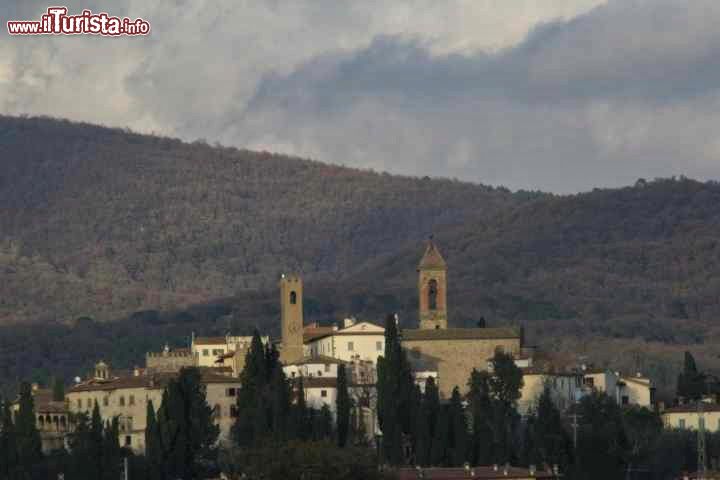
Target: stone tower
point(432, 289)
point(291, 318)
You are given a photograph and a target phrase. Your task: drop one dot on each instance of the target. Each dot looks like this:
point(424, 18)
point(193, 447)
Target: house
point(54, 421)
point(688, 417)
point(126, 396)
point(227, 354)
point(354, 341)
point(565, 388)
point(626, 390)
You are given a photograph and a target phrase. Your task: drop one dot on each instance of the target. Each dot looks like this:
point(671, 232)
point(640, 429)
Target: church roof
point(461, 333)
point(432, 259)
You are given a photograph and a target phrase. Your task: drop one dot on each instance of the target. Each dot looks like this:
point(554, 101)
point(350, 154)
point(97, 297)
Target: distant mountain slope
point(103, 222)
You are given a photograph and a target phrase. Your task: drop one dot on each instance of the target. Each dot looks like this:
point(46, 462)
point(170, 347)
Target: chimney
point(348, 322)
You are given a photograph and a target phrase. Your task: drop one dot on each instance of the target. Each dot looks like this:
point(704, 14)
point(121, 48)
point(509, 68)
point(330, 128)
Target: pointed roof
point(431, 258)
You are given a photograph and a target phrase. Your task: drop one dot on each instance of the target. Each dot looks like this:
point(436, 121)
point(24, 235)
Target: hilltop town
point(439, 356)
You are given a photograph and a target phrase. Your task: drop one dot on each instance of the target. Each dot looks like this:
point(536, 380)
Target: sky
point(554, 95)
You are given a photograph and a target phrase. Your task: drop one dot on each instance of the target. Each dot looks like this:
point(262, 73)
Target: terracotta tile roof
point(319, 359)
point(484, 472)
point(210, 341)
point(432, 259)
point(311, 333)
point(156, 380)
point(461, 333)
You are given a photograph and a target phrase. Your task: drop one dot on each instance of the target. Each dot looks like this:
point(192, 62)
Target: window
point(327, 367)
point(293, 298)
point(432, 294)
point(128, 440)
point(132, 399)
point(205, 352)
point(129, 424)
point(89, 403)
point(681, 423)
point(122, 401)
point(589, 381)
point(319, 373)
point(323, 393)
point(218, 351)
point(292, 374)
point(351, 346)
point(233, 411)
point(625, 400)
point(701, 423)
point(79, 402)
point(230, 392)
point(106, 401)
point(378, 346)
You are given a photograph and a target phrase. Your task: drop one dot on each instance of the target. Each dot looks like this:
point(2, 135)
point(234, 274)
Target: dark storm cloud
point(507, 94)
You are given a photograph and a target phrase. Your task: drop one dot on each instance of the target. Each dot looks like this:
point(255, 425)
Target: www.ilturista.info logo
point(57, 22)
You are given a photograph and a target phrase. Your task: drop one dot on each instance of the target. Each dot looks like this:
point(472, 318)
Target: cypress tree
point(111, 454)
point(438, 452)
point(81, 449)
point(187, 430)
point(425, 423)
point(251, 423)
point(153, 448)
point(691, 382)
point(8, 443)
point(481, 410)
point(550, 438)
point(29, 445)
point(280, 404)
point(459, 432)
point(95, 443)
point(343, 406)
point(58, 390)
point(301, 426)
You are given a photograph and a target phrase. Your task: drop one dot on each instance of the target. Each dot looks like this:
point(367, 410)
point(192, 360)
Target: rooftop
point(461, 333)
point(432, 259)
point(153, 380)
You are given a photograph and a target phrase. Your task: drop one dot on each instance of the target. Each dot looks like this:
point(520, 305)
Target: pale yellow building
point(687, 417)
point(355, 341)
point(127, 397)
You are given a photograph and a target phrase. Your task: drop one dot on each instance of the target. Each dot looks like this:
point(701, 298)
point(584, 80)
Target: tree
point(187, 431)
point(602, 443)
point(395, 394)
point(58, 390)
point(29, 445)
point(343, 406)
point(153, 445)
point(251, 424)
point(425, 423)
point(691, 382)
point(642, 427)
point(280, 404)
point(111, 453)
point(458, 430)
point(95, 443)
point(8, 443)
point(440, 441)
point(481, 411)
point(506, 380)
point(551, 441)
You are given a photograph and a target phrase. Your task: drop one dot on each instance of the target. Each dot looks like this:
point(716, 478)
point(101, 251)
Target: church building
point(452, 352)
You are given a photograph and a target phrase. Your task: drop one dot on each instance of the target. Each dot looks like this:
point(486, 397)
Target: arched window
point(432, 294)
point(293, 297)
point(122, 401)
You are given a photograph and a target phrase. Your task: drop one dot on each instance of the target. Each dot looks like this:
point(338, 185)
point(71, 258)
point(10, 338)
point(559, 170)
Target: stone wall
point(168, 361)
point(455, 359)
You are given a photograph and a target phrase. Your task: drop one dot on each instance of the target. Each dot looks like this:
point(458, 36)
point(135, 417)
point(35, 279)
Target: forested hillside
point(104, 223)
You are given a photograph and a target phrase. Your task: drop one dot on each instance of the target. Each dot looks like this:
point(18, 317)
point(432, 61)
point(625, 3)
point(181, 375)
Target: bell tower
point(432, 289)
point(291, 318)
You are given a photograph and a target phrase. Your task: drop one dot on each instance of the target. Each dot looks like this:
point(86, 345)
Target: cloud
point(562, 96)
